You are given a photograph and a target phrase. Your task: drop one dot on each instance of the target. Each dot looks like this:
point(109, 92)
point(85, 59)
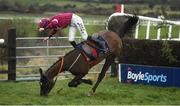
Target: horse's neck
point(54, 70)
point(70, 59)
point(62, 64)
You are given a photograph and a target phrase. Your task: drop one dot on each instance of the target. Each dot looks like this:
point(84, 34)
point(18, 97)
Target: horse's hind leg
point(107, 64)
point(76, 81)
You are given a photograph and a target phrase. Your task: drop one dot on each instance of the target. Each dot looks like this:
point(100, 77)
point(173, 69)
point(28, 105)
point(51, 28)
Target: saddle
point(93, 47)
point(100, 43)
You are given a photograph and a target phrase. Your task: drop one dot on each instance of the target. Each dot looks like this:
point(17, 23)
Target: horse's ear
point(40, 71)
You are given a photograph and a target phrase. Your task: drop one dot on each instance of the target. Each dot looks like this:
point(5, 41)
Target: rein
point(61, 65)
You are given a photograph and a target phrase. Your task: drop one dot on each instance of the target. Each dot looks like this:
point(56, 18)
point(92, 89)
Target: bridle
point(45, 83)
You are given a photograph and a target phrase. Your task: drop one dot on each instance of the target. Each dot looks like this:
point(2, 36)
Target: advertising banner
point(152, 75)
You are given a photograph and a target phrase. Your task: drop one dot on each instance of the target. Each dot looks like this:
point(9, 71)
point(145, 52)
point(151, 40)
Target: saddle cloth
point(91, 52)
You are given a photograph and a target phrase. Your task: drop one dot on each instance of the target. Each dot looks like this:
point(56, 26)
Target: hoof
point(91, 93)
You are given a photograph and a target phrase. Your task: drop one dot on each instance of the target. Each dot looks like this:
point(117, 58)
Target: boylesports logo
point(146, 77)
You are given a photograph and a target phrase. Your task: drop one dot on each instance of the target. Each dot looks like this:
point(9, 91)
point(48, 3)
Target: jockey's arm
point(52, 32)
point(53, 26)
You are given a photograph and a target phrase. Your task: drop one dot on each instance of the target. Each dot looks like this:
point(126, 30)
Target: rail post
point(12, 54)
point(114, 69)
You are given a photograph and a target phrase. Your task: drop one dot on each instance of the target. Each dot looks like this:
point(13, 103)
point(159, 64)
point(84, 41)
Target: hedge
point(150, 52)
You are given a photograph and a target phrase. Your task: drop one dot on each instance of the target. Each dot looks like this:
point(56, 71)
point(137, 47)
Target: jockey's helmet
point(43, 23)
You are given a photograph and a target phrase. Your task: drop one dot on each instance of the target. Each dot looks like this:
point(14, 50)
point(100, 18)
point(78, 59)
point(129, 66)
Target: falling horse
point(77, 63)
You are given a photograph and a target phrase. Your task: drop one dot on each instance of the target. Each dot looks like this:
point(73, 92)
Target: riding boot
point(73, 43)
point(89, 38)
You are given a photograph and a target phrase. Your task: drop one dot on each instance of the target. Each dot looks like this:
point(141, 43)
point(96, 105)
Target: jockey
point(61, 21)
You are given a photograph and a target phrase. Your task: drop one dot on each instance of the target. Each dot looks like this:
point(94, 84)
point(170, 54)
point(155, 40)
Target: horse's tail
point(124, 26)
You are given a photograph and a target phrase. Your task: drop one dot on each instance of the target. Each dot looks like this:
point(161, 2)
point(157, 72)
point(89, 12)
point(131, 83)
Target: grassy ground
point(110, 92)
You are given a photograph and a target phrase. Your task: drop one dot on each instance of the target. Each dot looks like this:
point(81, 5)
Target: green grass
point(110, 92)
point(153, 32)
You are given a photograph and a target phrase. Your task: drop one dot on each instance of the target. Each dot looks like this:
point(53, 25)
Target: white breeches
point(77, 23)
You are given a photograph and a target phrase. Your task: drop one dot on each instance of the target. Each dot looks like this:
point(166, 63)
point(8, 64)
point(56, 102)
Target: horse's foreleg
point(87, 81)
point(76, 81)
point(107, 64)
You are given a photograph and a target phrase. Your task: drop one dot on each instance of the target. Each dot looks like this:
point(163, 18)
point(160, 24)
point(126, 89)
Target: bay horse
point(75, 63)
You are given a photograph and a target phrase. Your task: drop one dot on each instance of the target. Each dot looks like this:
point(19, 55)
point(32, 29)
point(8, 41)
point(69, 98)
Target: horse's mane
point(53, 65)
point(124, 26)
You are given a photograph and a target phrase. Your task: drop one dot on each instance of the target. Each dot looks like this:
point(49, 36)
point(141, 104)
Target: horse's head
point(45, 84)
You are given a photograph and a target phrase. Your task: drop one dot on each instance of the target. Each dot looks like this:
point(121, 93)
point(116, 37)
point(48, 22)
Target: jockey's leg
point(80, 26)
point(72, 32)
point(73, 43)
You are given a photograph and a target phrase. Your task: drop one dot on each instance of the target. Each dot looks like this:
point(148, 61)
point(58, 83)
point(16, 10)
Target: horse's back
point(113, 40)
